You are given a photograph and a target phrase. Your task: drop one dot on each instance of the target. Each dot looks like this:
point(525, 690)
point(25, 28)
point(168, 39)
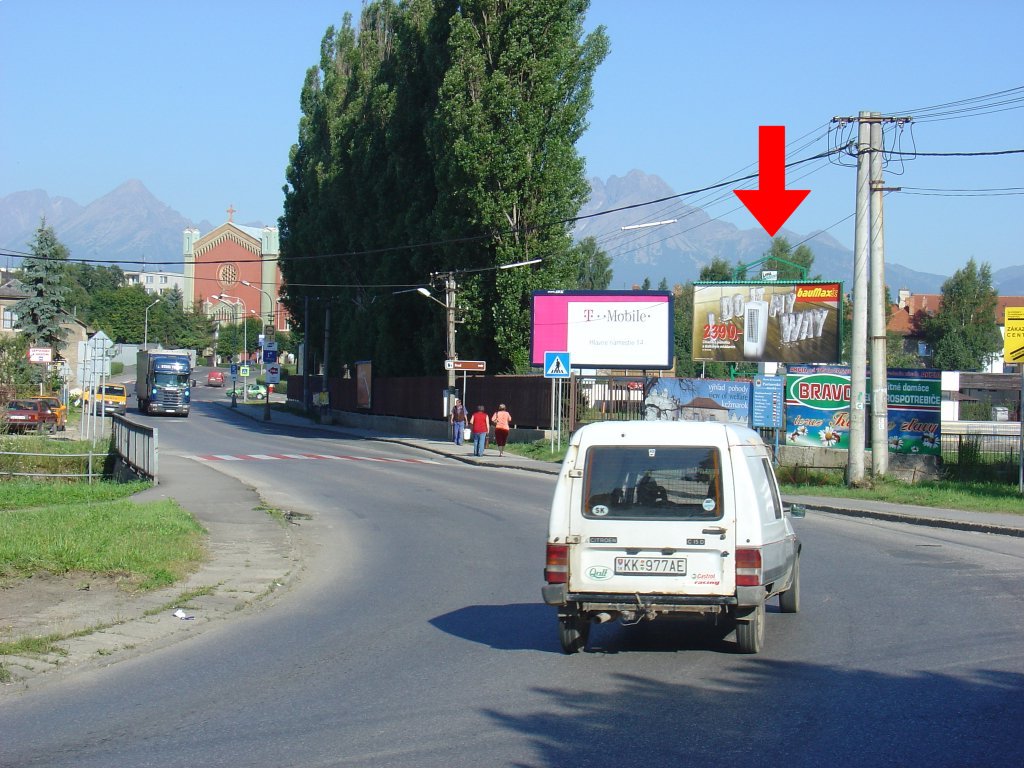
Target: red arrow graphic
point(771, 203)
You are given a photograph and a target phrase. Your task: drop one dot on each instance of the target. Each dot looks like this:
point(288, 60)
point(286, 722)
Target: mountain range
point(132, 227)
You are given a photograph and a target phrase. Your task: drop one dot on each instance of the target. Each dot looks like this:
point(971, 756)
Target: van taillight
point(748, 567)
point(556, 570)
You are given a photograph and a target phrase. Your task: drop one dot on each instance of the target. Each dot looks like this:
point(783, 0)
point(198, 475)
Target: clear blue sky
point(199, 100)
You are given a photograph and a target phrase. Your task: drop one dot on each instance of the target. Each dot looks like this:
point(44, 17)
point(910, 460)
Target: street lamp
point(245, 343)
point(145, 333)
point(449, 307)
point(271, 324)
point(449, 310)
point(270, 299)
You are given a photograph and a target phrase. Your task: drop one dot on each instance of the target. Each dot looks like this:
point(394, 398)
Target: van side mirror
point(797, 510)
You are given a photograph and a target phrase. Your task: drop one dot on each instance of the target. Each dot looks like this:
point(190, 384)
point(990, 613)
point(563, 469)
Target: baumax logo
point(599, 572)
point(817, 292)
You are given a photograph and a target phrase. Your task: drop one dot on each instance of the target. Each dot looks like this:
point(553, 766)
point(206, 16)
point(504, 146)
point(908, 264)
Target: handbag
point(467, 434)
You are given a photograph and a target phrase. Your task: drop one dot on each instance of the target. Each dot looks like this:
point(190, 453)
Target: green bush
point(116, 368)
point(975, 411)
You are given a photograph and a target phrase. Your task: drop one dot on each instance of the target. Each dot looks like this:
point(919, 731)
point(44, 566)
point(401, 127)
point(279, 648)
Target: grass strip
point(24, 494)
point(151, 545)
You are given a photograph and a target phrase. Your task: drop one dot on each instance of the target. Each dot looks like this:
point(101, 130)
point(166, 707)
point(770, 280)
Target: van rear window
point(664, 482)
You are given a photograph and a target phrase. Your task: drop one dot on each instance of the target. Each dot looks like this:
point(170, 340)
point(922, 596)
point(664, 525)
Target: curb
point(929, 522)
point(975, 526)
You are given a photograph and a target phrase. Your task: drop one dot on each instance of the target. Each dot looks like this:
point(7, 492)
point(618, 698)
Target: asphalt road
point(417, 637)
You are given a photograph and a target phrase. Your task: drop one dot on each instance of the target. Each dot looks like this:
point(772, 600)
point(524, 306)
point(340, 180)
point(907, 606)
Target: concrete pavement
point(983, 522)
point(255, 557)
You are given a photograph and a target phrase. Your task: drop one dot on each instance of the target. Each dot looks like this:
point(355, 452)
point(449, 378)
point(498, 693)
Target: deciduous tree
point(964, 333)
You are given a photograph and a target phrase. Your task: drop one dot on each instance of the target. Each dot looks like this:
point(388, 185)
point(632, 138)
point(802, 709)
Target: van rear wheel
point(573, 632)
point(750, 633)
point(789, 601)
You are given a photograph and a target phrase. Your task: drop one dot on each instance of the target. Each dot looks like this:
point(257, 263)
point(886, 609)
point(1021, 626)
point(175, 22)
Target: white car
point(657, 518)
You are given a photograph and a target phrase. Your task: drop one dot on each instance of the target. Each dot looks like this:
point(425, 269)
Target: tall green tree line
point(439, 136)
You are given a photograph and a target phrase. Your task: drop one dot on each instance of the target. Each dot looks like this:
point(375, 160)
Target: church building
point(239, 266)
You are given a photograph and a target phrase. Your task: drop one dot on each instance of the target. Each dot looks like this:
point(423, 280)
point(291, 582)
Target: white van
point(655, 518)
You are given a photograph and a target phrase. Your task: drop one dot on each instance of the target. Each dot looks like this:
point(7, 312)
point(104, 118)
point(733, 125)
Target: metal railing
point(137, 445)
point(94, 465)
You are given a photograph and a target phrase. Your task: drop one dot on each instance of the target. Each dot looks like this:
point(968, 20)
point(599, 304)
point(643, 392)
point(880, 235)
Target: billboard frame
point(798, 321)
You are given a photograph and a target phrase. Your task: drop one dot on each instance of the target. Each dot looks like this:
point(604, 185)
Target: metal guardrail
point(137, 445)
point(94, 459)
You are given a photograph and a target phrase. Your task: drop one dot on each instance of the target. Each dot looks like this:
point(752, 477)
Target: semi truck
point(164, 378)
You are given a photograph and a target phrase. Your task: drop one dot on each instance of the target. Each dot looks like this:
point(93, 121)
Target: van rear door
point(653, 519)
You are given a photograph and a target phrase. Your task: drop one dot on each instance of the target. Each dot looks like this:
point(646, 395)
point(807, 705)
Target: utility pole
point(305, 355)
point(858, 352)
point(868, 247)
point(327, 348)
point(449, 310)
point(879, 370)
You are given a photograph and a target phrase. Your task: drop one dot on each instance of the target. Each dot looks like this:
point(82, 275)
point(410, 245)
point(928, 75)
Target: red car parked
point(28, 415)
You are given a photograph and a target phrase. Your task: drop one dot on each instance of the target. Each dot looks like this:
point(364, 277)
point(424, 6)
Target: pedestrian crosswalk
point(304, 457)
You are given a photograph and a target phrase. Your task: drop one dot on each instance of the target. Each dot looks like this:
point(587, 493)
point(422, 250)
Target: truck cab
point(164, 381)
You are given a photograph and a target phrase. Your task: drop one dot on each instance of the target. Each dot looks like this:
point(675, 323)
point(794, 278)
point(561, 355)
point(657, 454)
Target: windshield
point(111, 390)
point(170, 379)
point(667, 482)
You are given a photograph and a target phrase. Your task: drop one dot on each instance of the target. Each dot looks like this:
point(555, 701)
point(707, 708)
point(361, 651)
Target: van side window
point(773, 487)
point(663, 482)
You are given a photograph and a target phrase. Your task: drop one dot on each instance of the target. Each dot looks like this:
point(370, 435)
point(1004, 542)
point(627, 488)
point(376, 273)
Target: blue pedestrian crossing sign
point(556, 365)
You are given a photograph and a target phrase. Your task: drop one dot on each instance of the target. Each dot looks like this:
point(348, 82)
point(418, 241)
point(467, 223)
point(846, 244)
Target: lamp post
point(245, 343)
point(270, 299)
point(449, 311)
point(145, 333)
point(449, 307)
point(271, 324)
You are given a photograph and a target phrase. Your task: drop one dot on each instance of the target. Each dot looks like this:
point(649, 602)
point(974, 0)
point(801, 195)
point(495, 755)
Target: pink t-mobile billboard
point(604, 329)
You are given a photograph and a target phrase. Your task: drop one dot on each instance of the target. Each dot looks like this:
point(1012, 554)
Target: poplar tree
point(440, 137)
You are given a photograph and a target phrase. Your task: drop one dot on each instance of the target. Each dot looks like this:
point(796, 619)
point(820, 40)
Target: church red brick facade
point(238, 264)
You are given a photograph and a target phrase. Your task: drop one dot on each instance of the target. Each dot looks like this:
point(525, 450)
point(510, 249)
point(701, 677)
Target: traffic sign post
point(1013, 352)
point(557, 368)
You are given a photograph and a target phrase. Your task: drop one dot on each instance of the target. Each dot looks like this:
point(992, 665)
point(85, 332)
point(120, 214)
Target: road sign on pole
point(465, 365)
point(556, 365)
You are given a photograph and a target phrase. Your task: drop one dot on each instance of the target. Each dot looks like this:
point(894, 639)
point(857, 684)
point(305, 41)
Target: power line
point(962, 189)
point(992, 153)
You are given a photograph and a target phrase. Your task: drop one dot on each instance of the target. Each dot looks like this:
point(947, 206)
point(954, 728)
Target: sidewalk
point(1006, 524)
point(253, 559)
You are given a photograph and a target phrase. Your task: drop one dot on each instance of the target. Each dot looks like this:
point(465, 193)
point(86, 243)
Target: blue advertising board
point(671, 399)
point(767, 399)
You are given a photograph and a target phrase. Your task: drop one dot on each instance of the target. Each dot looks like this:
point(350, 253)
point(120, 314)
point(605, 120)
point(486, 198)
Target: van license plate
point(650, 566)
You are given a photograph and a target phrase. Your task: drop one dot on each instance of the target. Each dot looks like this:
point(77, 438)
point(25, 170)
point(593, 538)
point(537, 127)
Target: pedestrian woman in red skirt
point(502, 421)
